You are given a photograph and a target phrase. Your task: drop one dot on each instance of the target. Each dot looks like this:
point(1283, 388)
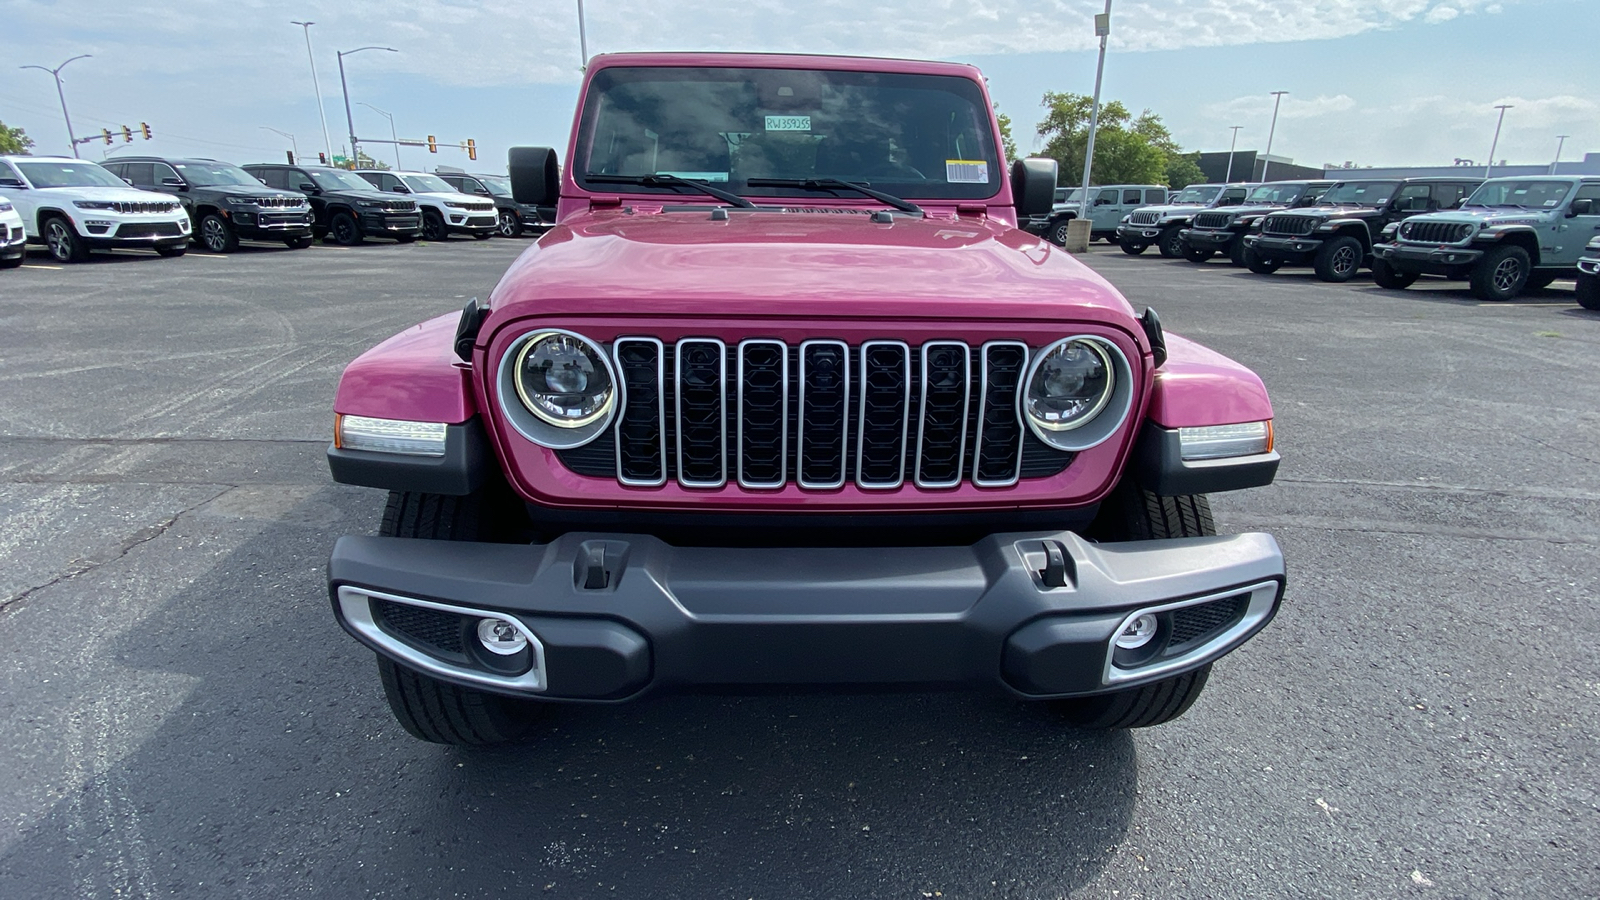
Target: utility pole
point(1277, 99)
point(1492, 147)
point(295, 148)
point(349, 118)
point(327, 142)
point(62, 95)
point(1102, 28)
point(1234, 143)
point(1561, 142)
point(583, 38)
point(392, 133)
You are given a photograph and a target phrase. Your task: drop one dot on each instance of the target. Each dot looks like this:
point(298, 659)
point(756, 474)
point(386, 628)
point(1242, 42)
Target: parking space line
point(36, 266)
point(206, 256)
point(1526, 305)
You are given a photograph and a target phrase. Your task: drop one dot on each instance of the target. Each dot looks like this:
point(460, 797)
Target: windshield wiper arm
point(661, 180)
point(838, 184)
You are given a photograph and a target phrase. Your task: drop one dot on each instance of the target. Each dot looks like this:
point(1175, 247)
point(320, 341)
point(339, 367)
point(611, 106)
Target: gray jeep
point(1511, 235)
point(1111, 202)
point(1222, 229)
point(1160, 225)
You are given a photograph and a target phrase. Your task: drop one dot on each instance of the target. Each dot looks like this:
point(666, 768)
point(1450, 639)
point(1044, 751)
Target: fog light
point(1139, 632)
point(501, 637)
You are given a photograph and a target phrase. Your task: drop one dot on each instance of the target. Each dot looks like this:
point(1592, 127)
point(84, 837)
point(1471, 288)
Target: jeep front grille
point(765, 414)
point(1290, 225)
point(1435, 232)
point(1143, 218)
point(280, 202)
point(1213, 220)
point(144, 206)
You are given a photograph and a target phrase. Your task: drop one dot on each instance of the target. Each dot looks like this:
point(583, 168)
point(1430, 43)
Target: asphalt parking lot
point(181, 717)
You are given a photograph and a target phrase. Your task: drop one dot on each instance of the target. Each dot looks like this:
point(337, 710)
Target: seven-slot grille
point(1292, 225)
point(144, 206)
point(1435, 232)
point(1143, 218)
point(400, 205)
point(280, 202)
point(765, 414)
point(1213, 220)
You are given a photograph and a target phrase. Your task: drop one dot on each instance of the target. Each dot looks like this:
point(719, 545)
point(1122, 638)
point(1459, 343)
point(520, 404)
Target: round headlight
point(1070, 385)
point(563, 379)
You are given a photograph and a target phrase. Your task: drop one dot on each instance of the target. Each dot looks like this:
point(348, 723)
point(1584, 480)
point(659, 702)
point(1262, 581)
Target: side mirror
point(128, 180)
point(400, 189)
point(309, 188)
point(170, 181)
point(1033, 185)
point(1581, 207)
point(13, 183)
point(535, 175)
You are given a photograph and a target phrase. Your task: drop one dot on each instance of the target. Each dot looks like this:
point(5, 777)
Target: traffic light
point(433, 144)
point(127, 135)
point(144, 129)
point(472, 149)
point(106, 133)
point(322, 158)
point(290, 154)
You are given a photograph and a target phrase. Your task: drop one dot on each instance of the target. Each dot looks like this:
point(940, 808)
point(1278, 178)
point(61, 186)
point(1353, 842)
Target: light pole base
point(1077, 236)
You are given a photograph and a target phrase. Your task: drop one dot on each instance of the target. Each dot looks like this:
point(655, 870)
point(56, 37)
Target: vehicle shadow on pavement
point(280, 771)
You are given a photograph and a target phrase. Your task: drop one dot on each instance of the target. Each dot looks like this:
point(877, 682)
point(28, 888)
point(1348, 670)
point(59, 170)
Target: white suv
point(73, 205)
point(13, 238)
point(445, 210)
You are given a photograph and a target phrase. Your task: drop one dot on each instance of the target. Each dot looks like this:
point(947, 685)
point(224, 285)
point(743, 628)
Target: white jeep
point(445, 210)
point(73, 206)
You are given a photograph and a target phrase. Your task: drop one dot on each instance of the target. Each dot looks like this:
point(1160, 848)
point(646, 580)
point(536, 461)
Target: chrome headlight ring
point(1108, 412)
point(540, 426)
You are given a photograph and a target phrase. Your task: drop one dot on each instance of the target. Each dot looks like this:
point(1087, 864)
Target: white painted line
point(34, 266)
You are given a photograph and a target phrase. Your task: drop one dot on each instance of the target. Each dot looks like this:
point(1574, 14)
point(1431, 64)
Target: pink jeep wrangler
point(785, 400)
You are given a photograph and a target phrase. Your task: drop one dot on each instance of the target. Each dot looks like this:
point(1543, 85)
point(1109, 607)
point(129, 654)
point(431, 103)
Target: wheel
point(433, 226)
point(1058, 233)
point(344, 229)
point(1169, 243)
point(1588, 292)
point(1133, 249)
point(1236, 252)
point(62, 242)
point(1132, 513)
point(430, 709)
point(217, 235)
point(405, 238)
point(1538, 281)
point(1501, 274)
point(510, 223)
point(1258, 265)
point(1196, 254)
point(482, 235)
point(1338, 260)
point(1387, 276)
point(1140, 707)
point(172, 250)
point(299, 243)
point(13, 262)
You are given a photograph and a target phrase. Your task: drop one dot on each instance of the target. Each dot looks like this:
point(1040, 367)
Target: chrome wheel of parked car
point(63, 243)
point(510, 223)
point(216, 235)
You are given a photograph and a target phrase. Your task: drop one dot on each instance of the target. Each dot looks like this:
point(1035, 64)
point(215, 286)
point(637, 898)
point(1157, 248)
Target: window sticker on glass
point(788, 123)
point(697, 176)
point(966, 171)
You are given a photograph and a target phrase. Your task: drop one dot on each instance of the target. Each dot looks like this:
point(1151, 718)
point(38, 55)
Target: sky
point(1374, 82)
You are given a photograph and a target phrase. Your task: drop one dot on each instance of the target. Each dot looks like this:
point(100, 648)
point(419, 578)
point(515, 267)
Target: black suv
point(515, 218)
point(348, 209)
point(225, 203)
point(1336, 236)
point(1222, 229)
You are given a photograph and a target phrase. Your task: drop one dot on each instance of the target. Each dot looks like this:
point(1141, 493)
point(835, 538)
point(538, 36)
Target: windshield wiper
point(833, 185)
point(674, 181)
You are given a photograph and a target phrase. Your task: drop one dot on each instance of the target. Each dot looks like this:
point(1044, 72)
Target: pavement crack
point(82, 565)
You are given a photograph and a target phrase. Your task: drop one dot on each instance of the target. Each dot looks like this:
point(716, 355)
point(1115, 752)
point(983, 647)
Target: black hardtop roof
point(1420, 179)
point(167, 159)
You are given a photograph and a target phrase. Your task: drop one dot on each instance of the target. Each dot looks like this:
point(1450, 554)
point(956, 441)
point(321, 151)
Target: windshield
point(909, 135)
point(1524, 194)
point(207, 174)
point(427, 184)
point(497, 185)
point(1276, 194)
point(339, 180)
point(73, 174)
point(1197, 193)
point(1360, 193)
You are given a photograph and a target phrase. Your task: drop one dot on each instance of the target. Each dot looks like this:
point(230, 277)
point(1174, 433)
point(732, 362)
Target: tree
point(14, 140)
point(1183, 169)
point(1127, 150)
point(363, 161)
point(1007, 144)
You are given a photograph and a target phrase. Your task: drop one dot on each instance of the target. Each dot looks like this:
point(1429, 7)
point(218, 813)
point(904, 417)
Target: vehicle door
point(1154, 196)
point(1232, 196)
point(165, 180)
point(1448, 195)
point(390, 184)
point(301, 180)
point(1106, 210)
point(139, 174)
point(1579, 225)
point(1410, 200)
point(13, 187)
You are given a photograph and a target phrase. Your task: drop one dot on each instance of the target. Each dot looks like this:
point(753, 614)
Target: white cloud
point(1440, 13)
point(1291, 108)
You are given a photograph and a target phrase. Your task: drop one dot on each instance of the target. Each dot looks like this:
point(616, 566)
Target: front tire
point(510, 224)
point(172, 250)
point(1255, 263)
point(299, 243)
point(1058, 232)
point(1133, 249)
point(1588, 292)
point(1385, 275)
point(13, 262)
point(1141, 707)
point(1338, 260)
point(217, 235)
point(345, 230)
point(482, 235)
point(1538, 281)
point(63, 243)
point(1196, 254)
point(433, 226)
point(1501, 274)
point(1170, 243)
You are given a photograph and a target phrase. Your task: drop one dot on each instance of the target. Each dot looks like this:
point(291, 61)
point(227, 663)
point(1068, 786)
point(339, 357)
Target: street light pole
point(295, 147)
point(1277, 99)
point(1234, 143)
point(62, 95)
point(349, 118)
point(392, 133)
point(1560, 142)
point(1102, 27)
point(583, 38)
point(327, 141)
point(1493, 146)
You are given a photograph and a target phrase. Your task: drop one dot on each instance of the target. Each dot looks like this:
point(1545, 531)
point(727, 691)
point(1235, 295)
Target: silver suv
point(1162, 225)
point(1111, 202)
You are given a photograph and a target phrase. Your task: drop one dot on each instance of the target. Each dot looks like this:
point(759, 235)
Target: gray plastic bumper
point(613, 616)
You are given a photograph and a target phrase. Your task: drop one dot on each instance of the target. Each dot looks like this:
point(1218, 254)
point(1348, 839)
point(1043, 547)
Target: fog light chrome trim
point(1225, 441)
point(1263, 597)
point(389, 436)
point(355, 604)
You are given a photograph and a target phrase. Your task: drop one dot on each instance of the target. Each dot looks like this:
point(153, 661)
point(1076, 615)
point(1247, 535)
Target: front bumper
point(614, 616)
point(13, 241)
point(381, 224)
point(1207, 238)
point(1138, 233)
point(1427, 259)
point(1288, 250)
point(271, 224)
point(1589, 266)
point(471, 221)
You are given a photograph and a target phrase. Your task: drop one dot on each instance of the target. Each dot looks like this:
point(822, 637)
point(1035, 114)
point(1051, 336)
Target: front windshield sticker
point(697, 176)
point(966, 171)
point(788, 123)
